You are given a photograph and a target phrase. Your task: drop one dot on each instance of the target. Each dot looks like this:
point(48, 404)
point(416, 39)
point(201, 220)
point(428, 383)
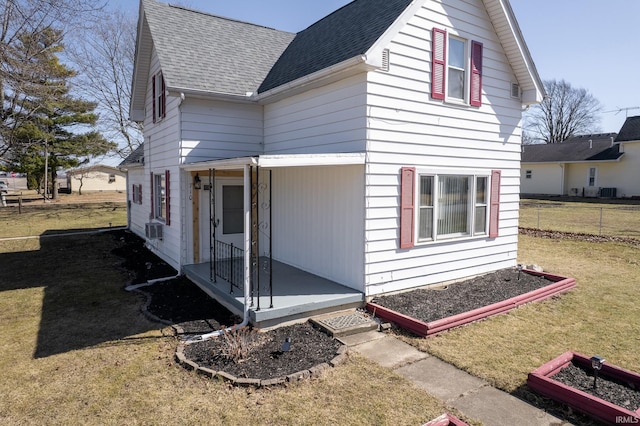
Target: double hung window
point(456, 65)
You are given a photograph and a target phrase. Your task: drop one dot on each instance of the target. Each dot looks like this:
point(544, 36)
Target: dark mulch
point(182, 303)
point(620, 394)
point(141, 264)
point(309, 347)
point(433, 304)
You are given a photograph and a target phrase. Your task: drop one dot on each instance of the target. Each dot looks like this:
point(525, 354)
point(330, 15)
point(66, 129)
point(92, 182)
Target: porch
point(295, 294)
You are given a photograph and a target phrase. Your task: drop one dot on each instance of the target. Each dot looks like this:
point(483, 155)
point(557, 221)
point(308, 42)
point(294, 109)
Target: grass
point(590, 217)
point(75, 349)
point(600, 316)
point(95, 210)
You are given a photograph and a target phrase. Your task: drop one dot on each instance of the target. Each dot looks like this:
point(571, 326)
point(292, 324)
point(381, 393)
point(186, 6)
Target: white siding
point(545, 179)
point(213, 130)
point(318, 226)
point(408, 128)
point(161, 153)
point(330, 119)
point(138, 213)
point(627, 177)
point(98, 181)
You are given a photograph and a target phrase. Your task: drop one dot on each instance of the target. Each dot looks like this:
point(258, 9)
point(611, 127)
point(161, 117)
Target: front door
point(229, 214)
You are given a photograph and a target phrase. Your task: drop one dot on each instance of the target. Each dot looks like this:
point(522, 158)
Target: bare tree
point(105, 60)
point(565, 112)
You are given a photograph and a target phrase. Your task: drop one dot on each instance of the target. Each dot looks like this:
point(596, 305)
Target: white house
point(96, 178)
point(375, 151)
point(601, 165)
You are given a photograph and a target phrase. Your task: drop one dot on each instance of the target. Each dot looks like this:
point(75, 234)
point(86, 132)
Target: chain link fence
point(619, 220)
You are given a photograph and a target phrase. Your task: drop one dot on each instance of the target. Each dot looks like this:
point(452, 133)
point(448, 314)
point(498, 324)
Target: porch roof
point(283, 160)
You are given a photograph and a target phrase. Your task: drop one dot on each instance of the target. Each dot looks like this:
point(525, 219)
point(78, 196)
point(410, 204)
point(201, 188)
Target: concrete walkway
point(472, 396)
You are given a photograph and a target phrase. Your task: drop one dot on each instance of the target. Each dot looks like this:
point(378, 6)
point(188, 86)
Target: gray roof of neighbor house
point(583, 148)
point(199, 51)
point(630, 130)
point(346, 33)
point(135, 158)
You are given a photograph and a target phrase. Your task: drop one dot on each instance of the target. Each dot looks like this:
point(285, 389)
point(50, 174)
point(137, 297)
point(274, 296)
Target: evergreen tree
point(49, 121)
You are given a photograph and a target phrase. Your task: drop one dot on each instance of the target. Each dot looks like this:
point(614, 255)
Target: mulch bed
point(193, 312)
point(433, 304)
point(309, 348)
point(612, 391)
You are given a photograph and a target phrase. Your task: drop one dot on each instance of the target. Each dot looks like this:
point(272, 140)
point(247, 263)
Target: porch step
point(339, 324)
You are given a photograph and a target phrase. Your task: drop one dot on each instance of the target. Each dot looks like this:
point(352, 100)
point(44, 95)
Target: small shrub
point(237, 343)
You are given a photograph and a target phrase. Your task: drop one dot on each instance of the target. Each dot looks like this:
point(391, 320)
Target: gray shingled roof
point(579, 150)
point(199, 51)
point(630, 130)
point(346, 33)
point(135, 158)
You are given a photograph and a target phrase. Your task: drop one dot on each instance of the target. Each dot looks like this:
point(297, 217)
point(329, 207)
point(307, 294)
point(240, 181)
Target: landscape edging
point(315, 371)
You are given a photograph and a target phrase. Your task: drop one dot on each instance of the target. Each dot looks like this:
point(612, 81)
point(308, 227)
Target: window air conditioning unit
point(153, 231)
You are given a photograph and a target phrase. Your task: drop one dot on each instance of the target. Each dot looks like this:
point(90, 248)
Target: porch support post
point(247, 233)
point(270, 239)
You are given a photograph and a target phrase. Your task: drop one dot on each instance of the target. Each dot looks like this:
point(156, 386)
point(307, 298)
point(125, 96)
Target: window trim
point(467, 65)
point(595, 177)
point(159, 97)
point(471, 208)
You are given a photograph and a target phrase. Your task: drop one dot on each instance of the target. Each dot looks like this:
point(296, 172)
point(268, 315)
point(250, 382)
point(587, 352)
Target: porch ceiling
point(284, 160)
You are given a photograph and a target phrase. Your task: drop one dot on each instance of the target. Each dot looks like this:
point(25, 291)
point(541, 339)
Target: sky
point(592, 44)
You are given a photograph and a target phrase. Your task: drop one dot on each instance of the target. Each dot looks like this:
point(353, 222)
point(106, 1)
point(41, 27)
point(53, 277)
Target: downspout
point(247, 264)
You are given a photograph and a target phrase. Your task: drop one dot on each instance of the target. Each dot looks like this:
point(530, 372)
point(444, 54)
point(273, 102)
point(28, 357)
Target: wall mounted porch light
point(197, 183)
point(596, 364)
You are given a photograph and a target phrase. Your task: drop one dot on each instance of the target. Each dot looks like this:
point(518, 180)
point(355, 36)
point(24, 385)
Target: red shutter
point(167, 194)
point(163, 97)
point(476, 74)
point(438, 62)
point(153, 96)
point(139, 201)
point(152, 214)
point(494, 210)
point(407, 207)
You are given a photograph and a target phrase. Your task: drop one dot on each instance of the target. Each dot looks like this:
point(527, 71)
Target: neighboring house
point(377, 150)
point(98, 178)
point(600, 165)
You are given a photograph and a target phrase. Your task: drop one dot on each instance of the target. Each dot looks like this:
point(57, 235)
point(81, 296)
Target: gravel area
point(433, 304)
point(614, 392)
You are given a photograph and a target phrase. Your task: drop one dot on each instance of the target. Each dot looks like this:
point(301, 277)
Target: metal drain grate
point(344, 321)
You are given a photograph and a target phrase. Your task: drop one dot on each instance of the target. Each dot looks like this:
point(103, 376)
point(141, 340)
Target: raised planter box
point(446, 420)
point(424, 329)
point(541, 381)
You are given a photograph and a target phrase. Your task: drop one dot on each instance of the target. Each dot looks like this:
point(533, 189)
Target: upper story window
point(456, 69)
point(528, 174)
point(159, 97)
point(456, 65)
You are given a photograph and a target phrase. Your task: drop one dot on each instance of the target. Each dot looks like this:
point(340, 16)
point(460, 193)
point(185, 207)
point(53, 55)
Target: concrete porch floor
point(297, 294)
